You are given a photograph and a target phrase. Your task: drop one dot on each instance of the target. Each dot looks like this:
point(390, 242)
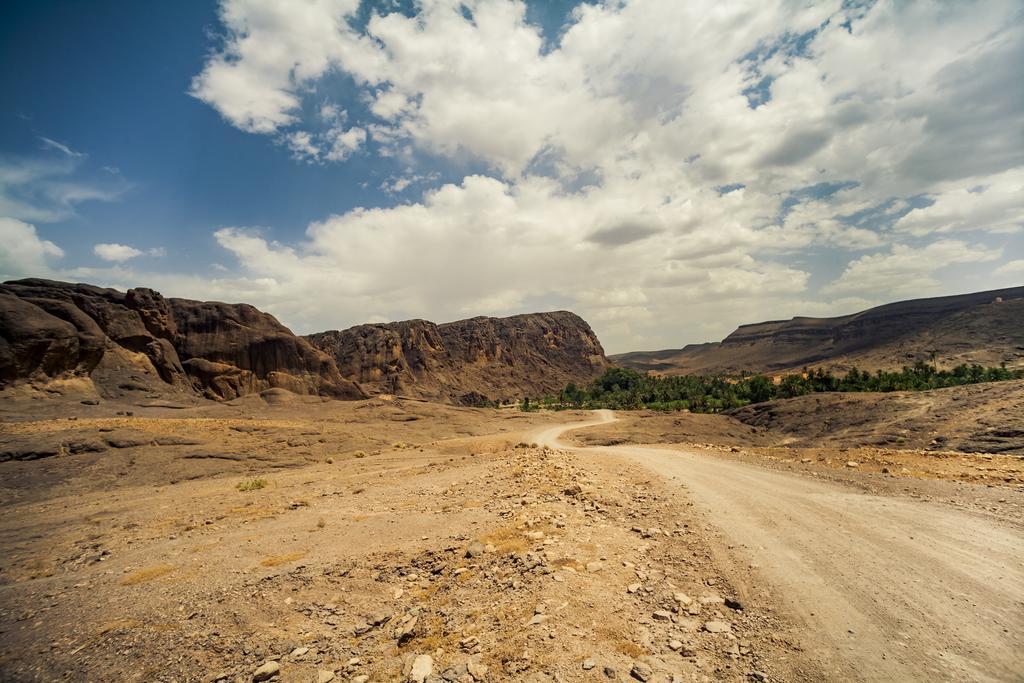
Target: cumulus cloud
point(1014, 267)
point(907, 271)
point(122, 252)
point(842, 128)
point(23, 253)
point(992, 204)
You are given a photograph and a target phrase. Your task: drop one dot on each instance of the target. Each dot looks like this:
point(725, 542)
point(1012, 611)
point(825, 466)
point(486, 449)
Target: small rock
point(662, 615)
point(641, 672)
point(675, 645)
point(475, 549)
point(422, 667)
point(595, 566)
point(853, 464)
point(299, 651)
point(266, 672)
point(610, 672)
point(717, 627)
point(477, 669)
point(682, 598)
point(734, 604)
point(324, 676)
point(588, 664)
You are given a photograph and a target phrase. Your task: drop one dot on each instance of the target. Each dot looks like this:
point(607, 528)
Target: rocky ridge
point(982, 327)
point(115, 344)
point(472, 362)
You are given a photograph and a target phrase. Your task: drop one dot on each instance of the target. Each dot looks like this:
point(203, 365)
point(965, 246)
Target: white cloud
point(122, 252)
point(343, 143)
point(992, 203)
point(906, 271)
point(23, 253)
point(46, 191)
point(60, 147)
point(1015, 267)
point(301, 144)
point(604, 153)
point(116, 252)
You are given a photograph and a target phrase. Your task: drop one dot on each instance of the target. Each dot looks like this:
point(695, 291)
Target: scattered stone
point(717, 627)
point(475, 549)
point(633, 588)
point(588, 664)
point(675, 645)
point(610, 672)
point(477, 669)
point(682, 598)
point(299, 651)
point(406, 628)
point(641, 672)
point(732, 603)
point(266, 672)
point(853, 464)
point(470, 644)
point(128, 441)
point(595, 566)
point(422, 667)
point(324, 676)
point(662, 615)
point(86, 446)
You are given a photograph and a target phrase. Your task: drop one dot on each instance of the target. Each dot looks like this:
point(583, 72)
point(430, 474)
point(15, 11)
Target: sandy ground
point(887, 587)
point(377, 540)
point(494, 557)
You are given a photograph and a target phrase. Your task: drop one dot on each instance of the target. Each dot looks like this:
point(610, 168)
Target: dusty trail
point(888, 589)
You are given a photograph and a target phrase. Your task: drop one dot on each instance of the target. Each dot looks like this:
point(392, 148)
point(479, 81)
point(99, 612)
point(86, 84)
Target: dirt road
point(886, 588)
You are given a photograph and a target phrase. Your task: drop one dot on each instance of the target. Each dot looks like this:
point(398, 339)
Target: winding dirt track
point(885, 588)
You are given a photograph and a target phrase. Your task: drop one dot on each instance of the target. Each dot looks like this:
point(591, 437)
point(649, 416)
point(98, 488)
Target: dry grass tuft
point(147, 574)
point(118, 625)
point(507, 540)
point(282, 559)
point(253, 485)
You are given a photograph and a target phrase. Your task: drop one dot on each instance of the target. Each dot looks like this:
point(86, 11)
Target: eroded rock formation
point(474, 361)
point(139, 341)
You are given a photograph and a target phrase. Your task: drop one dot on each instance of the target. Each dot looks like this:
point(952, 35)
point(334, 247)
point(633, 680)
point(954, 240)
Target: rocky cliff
point(138, 341)
point(473, 361)
point(983, 327)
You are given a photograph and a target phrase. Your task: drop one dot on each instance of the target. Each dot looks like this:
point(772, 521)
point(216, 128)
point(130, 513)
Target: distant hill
point(984, 327)
point(472, 361)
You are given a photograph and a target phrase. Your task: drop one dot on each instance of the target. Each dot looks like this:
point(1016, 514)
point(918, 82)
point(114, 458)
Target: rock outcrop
point(138, 341)
point(983, 328)
point(472, 362)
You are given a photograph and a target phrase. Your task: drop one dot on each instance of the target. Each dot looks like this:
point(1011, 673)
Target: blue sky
point(668, 170)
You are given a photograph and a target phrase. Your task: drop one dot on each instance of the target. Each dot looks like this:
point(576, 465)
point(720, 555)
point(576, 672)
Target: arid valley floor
point(402, 540)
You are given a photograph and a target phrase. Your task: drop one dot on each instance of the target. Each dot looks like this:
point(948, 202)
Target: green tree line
point(625, 389)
